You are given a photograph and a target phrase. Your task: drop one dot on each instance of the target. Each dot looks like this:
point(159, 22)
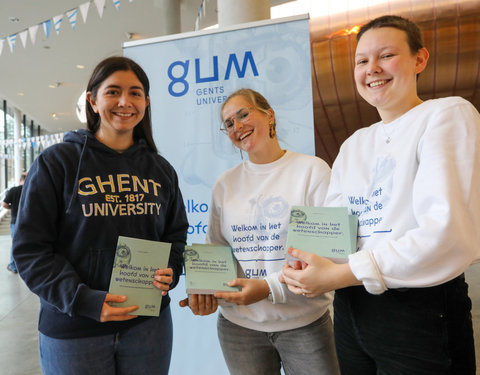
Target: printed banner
point(192, 76)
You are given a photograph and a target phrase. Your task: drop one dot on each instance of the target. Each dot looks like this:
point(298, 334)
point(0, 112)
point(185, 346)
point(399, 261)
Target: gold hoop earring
point(272, 132)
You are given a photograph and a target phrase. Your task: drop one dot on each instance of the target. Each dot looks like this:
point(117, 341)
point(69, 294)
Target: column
point(232, 12)
point(17, 153)
point(170, 21)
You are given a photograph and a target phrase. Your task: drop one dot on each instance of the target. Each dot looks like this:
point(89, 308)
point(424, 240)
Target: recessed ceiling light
point(20, 93)
point(54, 115)
point(80, 66)
point(54, 85)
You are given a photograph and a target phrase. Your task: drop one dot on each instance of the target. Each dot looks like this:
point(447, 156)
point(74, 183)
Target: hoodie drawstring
point(75, 185)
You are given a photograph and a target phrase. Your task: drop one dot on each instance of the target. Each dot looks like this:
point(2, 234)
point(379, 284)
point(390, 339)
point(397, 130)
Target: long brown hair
point(102, 71)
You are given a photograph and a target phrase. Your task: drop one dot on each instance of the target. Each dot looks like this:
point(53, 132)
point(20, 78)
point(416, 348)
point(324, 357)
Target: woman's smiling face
point(251, 132)
point(386, 70)
point(120, 102)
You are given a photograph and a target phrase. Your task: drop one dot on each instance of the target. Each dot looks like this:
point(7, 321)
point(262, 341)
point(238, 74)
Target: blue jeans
point(142, 349)
point(308, 350)
point(12, 264)
point(416, 331)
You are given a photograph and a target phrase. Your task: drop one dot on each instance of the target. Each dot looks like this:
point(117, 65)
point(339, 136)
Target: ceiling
point(53, 60)
point(451, 30)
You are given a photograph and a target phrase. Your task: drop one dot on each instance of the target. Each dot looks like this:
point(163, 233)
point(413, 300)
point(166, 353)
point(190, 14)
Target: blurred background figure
point(12, 198)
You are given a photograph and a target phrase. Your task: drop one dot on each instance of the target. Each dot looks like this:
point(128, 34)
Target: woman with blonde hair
point(265, 327)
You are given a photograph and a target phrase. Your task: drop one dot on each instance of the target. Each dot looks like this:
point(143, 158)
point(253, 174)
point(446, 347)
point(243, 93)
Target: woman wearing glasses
point(265, 326)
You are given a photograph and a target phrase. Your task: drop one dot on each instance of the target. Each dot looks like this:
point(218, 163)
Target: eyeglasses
point(242, 116)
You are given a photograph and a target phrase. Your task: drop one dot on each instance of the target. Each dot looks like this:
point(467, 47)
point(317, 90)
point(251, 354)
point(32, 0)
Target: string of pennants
point(56, 21)
point(36, 143)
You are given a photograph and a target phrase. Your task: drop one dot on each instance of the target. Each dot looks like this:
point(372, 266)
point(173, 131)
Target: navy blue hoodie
point(79, 196)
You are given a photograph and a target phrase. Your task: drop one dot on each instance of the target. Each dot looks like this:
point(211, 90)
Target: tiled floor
point(18, 321)
point(19, 310)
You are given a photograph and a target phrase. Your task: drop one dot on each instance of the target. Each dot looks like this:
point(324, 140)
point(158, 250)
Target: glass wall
point(29, 149)
point(3, 185)
point(9, 153)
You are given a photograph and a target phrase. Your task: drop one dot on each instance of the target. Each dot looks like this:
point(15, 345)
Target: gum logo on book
point(124, 256)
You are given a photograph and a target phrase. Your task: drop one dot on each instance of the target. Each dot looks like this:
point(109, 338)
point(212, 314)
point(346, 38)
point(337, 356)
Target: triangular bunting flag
point(100, 4)
point(84, 10)
point(32, 30)
point(57, 21)
point(72, 17)
point(11, 41)
point(46, 27)
point(23, 37)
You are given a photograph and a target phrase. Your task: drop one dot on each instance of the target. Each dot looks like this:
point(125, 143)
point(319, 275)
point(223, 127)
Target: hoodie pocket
point(100, 268)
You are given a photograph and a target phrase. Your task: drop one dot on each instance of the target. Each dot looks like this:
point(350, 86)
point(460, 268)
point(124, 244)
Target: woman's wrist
point(346, 277)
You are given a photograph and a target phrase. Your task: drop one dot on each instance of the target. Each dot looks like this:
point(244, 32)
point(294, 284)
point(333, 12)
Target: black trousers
point(415, 331)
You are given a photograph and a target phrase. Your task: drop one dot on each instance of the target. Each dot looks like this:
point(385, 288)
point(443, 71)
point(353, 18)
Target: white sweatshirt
point(417, 197)
point(250, 212)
